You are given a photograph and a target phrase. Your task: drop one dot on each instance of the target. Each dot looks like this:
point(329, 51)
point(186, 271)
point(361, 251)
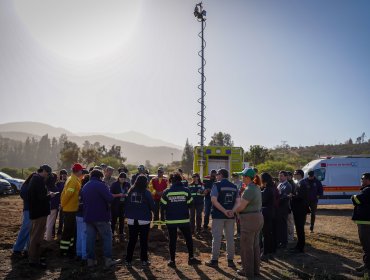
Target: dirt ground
point(332, 252)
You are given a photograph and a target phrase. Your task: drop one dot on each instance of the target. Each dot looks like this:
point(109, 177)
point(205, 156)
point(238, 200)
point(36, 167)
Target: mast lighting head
point(199, 13)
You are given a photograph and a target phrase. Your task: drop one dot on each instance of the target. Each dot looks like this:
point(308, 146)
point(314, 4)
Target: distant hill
point(137, 138)
point(136, 153)
point(34, 128)
point(19, 136)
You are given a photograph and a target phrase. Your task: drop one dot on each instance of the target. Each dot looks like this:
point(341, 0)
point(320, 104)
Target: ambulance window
point(320, 174)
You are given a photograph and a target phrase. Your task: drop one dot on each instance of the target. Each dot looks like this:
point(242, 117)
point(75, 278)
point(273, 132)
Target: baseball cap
point(160, 169)
point(141, 167)
point(46, 168)
point(311, 173)
point(63, 172)
point(110, 168)
point(77, 167)
point(247, 172)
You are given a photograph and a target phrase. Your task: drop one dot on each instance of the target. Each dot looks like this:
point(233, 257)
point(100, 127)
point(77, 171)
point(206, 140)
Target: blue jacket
point(96, 199)
point(176, 201)
point(226, 193)
point(139, 205)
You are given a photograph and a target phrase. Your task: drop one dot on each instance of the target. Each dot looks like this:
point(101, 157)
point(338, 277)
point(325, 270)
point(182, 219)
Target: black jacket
point(300, 198)
point(361, 201)
point(38, 198)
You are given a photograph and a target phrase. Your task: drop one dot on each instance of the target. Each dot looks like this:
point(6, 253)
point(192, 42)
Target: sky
point(294, 71)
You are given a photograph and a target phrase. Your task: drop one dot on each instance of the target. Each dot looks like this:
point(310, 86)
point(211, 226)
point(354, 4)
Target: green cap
point(248, 172)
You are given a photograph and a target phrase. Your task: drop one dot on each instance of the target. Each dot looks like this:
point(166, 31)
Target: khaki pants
point(250, 227)
point(36, 237)
point(50, 222)
point(226, 226)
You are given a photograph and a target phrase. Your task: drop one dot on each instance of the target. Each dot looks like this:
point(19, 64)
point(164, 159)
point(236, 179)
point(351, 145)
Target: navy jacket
point(139, 205)
point(361, 201)
point(176, 201)
point(197, 193)
point(315, 189)
point(227, 194)
point(96, 199)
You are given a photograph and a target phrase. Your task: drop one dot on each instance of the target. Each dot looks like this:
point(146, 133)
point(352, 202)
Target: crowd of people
point(93, 204)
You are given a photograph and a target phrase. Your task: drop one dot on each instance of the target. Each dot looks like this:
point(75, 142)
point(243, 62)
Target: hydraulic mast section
point(200, 14)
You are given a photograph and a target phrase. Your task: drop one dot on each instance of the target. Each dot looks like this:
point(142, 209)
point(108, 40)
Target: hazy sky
point(297, 71)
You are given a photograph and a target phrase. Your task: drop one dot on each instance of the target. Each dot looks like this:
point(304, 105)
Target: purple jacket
point(96, 199)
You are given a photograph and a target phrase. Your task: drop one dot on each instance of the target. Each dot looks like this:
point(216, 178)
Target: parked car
point(5, 187)
point(15, 183)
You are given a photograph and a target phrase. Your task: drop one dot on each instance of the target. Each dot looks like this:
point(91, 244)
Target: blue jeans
point(105, 231)
point(23, 239)
point(207, 210)
point(81, 238)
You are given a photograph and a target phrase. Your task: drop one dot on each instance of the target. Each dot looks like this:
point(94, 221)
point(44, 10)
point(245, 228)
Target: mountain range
point(136, 147)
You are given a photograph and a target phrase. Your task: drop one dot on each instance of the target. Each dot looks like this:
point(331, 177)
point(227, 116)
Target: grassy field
point(332, 252)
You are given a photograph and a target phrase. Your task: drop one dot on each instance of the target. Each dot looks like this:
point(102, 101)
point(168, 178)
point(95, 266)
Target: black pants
point(134, 231)
point(118, 212)
point(299, 221)
point(68, 240)
point(61, 222)
point(364, 235)
point(158, 209)
point(283, 226)
point(313, 209)
point(196, 211)
point(268, 235)
point(172, 233)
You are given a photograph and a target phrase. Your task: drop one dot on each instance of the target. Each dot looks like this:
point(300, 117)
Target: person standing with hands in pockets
point(224, 196)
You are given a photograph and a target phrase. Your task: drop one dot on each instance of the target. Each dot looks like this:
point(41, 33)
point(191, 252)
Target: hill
point(136, 153)
point(34, 128)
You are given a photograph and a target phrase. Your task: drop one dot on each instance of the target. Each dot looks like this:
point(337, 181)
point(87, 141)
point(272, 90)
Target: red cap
point(77, 167)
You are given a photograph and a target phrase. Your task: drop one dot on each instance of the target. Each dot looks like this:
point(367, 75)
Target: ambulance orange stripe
point(341, 189)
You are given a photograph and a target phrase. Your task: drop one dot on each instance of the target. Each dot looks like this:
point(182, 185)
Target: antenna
point(200, 15)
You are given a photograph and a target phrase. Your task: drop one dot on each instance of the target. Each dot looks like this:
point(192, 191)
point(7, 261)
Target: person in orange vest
point(157, 186)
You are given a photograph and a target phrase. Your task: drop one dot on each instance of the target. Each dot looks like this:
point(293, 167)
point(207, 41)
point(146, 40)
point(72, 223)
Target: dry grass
point(332, 252)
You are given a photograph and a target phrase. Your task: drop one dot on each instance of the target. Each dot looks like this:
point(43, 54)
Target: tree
point(69, 154)
point(221, 139)
point(257, 154)
point(273, 167)
point(187, 157)
point(44, 149)
point(90, 156)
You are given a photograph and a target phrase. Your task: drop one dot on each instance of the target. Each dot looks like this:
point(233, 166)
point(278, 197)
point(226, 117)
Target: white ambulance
point(339, 175)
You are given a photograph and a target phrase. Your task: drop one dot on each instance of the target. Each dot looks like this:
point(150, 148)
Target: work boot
point(230, 263)
point(212, 263)
point(91, 263)
point(109, 262)
point(194, 261)
point(360, 268)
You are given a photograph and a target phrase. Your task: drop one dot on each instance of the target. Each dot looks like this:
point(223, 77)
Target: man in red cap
point(69, 203)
